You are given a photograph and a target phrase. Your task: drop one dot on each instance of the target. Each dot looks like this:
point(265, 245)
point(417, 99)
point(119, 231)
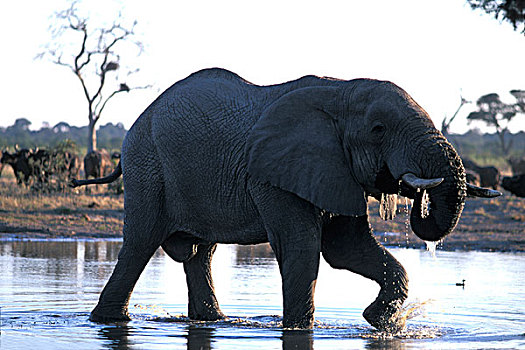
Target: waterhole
point(48, 288)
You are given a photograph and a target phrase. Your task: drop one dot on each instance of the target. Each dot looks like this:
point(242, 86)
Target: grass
point(71, 213)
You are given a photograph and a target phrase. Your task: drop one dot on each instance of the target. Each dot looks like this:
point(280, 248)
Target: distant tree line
point(512, 11)
point(109, 136)
point(486, 148)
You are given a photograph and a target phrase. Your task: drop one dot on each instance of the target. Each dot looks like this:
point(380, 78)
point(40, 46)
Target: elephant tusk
point(475, 191)
point(419, 183)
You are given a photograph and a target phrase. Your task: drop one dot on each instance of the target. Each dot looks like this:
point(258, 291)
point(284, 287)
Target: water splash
point(411, 332)
point(261, 322)
point(408, 205)
point(388, 206)
point(150, 309)
point(431, 247)
point(413, 309)
point(425, 205)
point(407, 312)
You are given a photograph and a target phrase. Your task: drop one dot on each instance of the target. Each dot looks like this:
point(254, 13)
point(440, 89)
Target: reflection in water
point(116, 336)
point(385, 343)
point(48, 288)
point(253, 254)
point(41, 249)
point(297, 339)
point(199, 338)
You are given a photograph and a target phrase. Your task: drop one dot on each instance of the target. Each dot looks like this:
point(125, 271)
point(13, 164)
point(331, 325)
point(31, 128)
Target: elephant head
point(333, 145)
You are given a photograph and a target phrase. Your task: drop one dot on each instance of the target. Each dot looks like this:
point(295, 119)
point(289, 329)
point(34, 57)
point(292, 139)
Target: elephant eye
point(378, 129)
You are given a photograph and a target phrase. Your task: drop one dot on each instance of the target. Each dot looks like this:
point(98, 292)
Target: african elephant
point(216, 159)
point(96, 162)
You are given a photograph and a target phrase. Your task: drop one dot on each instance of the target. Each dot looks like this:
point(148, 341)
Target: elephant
point(216, 159)
point(96, 162)
point(514, 184)
point(489, 176)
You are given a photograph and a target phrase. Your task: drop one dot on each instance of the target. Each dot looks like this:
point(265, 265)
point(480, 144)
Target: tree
point(497, 114)
point(512, 11)
point(93, 56)
point(445, 124)
point(21, 124)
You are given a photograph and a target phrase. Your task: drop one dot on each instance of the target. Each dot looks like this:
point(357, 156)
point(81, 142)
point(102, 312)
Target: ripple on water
point(322, 328)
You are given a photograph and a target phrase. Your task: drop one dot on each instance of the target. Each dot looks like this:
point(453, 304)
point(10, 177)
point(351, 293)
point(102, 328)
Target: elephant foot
point(99, 316)
point(306, 323)
point(385, 316)
point(299, 319)
point(207, 314)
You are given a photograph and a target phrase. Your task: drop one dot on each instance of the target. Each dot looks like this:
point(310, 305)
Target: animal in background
point(97, 163)
point(514, 184)
point(517, 165)
point(489, 176)
point(40, 164)
point(472, 177)
point(19, 162)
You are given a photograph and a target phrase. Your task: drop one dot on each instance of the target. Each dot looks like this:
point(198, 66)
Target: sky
point(438, 51)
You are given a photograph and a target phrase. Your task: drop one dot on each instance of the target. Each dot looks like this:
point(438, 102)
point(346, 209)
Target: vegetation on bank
point(484, 149)
point(69, 214)
point(109, 136)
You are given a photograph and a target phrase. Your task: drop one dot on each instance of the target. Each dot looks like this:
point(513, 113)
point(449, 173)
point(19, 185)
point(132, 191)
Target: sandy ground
point(486, 224)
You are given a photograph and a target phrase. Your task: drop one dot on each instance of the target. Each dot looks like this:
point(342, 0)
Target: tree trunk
point(92, 137)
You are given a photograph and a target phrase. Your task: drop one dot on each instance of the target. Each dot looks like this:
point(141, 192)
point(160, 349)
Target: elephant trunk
point(436, 211)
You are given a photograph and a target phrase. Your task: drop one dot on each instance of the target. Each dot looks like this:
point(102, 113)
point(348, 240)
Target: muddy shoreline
point(496, 224)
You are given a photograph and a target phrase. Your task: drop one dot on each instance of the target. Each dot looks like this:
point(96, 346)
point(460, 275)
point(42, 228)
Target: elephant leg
point(348, 243)
point(294, 227)
point(145, 229)
point(114, 299)
point(202, 303)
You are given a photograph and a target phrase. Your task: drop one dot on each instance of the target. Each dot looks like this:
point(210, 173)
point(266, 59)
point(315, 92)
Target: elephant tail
point(101, 180)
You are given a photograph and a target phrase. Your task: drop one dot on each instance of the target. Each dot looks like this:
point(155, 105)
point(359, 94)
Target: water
point(47, 290)
point(388, 206)
point(425, 205)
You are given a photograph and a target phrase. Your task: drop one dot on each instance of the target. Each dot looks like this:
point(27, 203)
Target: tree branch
point(96, 56)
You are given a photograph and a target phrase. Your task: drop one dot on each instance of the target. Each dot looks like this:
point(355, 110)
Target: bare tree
point(512, 11)
point(93, 56)
point(497, 114)
point(445, 124)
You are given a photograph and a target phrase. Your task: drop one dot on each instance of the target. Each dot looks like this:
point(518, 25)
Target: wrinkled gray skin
point(216, 159)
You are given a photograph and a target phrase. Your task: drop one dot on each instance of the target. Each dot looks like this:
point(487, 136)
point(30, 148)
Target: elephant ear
point(295, 146)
